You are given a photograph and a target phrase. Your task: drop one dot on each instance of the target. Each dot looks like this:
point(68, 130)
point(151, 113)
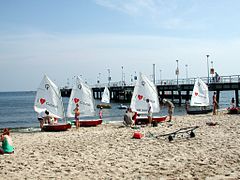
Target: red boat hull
point(56, 127)
point(89, 123)
point(235, 110)
point(144, 119)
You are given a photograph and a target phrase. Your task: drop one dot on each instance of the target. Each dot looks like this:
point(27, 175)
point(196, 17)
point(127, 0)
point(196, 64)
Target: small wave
point(24, 129)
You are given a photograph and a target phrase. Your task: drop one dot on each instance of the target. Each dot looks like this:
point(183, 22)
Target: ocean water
point(16, 109)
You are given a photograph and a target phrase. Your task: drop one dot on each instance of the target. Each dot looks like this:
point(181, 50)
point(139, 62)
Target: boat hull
point(199, 111)
point(235, 110)
point(90, 123)
point(56, 127)
point(104, 106)
point(144, 119)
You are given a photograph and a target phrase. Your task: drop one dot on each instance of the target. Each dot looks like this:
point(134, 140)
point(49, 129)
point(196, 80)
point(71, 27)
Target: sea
point(16, 110)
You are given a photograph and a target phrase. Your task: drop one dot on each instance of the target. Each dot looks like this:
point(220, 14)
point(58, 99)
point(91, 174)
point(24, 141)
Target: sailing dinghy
point(49, 98)
point(200, 98)
point(145, 89)
point(82, 95)
point(105, 99)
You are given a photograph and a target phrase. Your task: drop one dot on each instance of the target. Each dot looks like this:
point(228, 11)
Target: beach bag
point(137, 135)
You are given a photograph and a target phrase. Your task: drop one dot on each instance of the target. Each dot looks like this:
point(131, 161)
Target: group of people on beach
point(129, 120)
point(130, 116)
point(45, 118)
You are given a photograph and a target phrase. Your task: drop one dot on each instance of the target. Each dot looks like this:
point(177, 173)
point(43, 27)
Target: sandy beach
point(109, 152)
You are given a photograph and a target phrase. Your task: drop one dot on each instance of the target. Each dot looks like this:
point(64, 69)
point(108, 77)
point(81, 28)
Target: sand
point(109, 152)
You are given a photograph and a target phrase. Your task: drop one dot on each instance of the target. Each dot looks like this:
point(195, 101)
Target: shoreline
point(106, 120)
point(108, 151)
point(37, 128)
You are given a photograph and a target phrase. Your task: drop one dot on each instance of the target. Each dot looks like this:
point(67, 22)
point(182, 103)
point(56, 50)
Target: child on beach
point(100, 113)
point(77, 113)
point(7, 145)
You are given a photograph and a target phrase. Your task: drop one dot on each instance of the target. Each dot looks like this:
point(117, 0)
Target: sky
point(63, 39)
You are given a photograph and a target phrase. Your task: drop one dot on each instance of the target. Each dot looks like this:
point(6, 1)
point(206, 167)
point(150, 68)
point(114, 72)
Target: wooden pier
point(178, 92)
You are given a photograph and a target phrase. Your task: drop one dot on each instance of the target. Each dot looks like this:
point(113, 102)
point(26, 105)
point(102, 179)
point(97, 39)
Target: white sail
point(144, 89)
point(200, 95)
point(81, 94)
point(49, 98)
point(106, 95)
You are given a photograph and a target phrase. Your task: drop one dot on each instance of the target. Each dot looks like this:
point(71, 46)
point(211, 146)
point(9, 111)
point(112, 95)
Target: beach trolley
point(187, 131)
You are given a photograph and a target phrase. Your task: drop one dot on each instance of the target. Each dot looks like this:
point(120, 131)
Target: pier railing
point(122, 91)
point(219, 79)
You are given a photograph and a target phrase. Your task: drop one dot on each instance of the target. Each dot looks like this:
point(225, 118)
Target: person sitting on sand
point(170, 108)
point(7, 144)
point(128, 118)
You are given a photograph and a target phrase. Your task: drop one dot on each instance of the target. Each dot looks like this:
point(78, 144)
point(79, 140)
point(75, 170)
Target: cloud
point(63, 56)
point(162, 13)
point(131, 7)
